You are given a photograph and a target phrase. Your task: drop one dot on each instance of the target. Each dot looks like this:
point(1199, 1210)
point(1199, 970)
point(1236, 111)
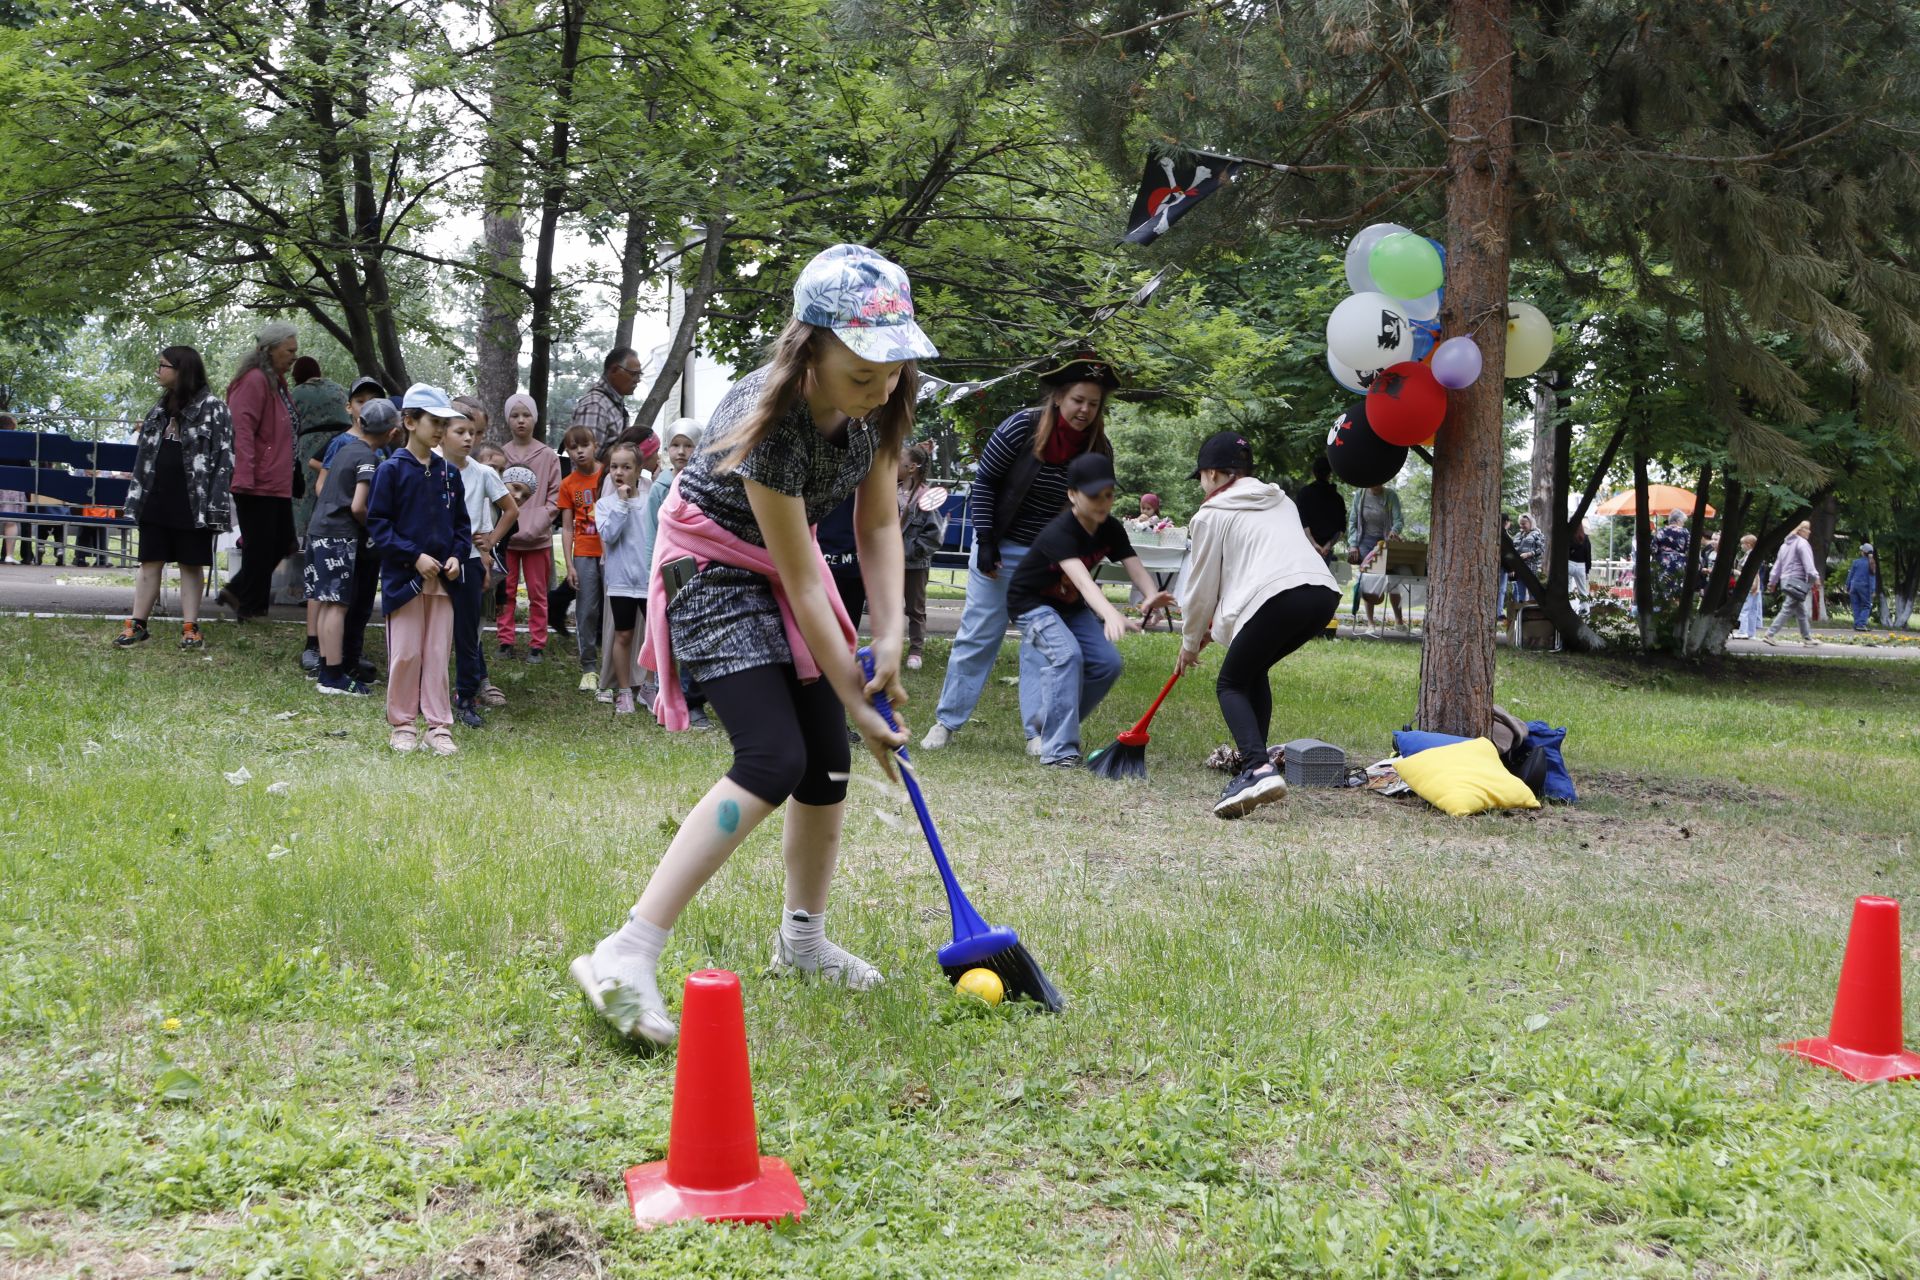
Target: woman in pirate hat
point(1019, 486)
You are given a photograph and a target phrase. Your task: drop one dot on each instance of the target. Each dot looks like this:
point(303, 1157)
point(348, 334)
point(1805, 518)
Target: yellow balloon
point(982, 983)
point(1529, 339)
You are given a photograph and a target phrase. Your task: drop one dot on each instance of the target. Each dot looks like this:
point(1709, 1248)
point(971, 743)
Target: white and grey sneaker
point(829, 963)
point(1261, 784)
point(1035, 745)
point(624, 1008)
point(937, 737)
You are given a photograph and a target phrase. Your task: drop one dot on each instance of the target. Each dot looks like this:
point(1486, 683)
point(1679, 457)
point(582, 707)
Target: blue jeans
point(586, 611)
point(469, 664)
point(1862, 600)
point(983, 625)
point(1067, 664)
point(1751, 615)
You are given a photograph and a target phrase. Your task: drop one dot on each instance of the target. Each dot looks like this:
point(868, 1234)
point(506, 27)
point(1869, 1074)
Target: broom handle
point(966, 921)
point(1164, 691)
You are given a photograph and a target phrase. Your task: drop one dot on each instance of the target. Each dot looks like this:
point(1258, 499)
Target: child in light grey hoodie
point(623, 566)
point(1254, 582)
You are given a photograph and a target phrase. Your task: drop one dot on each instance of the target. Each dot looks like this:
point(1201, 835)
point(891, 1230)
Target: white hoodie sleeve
point(1200, 581)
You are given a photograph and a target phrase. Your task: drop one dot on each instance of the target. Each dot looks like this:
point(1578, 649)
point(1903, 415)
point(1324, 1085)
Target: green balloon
point(1406, 266)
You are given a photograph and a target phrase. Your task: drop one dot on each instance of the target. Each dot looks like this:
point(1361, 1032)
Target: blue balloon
point(1426, 333)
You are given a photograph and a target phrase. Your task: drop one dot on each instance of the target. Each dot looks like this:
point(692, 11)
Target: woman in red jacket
point(264, 424)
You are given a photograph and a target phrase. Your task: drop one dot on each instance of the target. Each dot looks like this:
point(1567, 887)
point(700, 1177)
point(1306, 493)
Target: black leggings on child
point(788, 738)
point(1275, 630)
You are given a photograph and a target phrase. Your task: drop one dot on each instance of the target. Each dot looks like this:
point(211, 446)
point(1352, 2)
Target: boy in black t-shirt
point(1068, 627)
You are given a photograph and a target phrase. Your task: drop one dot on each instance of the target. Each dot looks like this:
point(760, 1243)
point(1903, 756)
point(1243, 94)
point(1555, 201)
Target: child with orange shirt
point(580, 538)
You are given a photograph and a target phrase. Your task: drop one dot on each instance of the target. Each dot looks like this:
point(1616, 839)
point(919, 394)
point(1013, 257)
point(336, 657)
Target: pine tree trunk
point(1456, 658)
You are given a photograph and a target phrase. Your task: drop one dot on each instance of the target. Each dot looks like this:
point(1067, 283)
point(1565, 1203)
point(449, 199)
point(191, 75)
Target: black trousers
point(469, 663)
point(853, 590)
point(789, 738)
point(366, 581)
point(266, 529)
point(1276, 629)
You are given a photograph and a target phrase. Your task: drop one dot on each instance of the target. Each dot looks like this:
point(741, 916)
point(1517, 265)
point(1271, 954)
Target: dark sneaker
point(227, 600)
point(464, 712)
point(506, 653)
point(697, 718)
point(190, 637)
point(1069, 761)
point(366, 673)
point(1262, 784)
point(310, 663)
point(342, 685)
point(535, 657)
point(131, 634)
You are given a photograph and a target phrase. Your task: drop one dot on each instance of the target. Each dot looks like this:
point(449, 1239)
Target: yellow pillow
point(1466, 777)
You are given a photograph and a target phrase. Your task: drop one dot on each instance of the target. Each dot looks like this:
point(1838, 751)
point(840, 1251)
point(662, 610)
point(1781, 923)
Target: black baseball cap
point(1224, 451)
point(1090, 473)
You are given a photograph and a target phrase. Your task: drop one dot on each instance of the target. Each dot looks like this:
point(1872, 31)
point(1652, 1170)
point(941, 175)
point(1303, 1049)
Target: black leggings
point(788, 737)
point(1276, 629)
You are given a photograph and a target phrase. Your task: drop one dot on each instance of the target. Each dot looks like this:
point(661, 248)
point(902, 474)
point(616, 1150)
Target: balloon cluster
point(1383, 344)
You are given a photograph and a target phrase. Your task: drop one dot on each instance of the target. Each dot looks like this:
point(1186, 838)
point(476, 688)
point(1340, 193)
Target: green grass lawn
point(324, 1028)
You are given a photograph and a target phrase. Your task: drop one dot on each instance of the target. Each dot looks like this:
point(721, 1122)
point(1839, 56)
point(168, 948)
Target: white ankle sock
point(630, 954)
point(804, 945)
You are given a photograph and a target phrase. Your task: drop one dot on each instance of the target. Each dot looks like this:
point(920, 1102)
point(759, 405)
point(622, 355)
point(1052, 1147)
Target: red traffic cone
point(714, 1169)
point(1864, 1041)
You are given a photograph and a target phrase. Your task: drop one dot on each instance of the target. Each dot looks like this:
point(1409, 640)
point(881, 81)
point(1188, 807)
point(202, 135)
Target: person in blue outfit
point(1019, 486)
point(1863, 585)
point(1068, 627)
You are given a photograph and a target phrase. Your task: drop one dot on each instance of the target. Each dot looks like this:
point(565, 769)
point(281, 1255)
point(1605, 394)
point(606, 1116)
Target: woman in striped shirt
point(1019, 485)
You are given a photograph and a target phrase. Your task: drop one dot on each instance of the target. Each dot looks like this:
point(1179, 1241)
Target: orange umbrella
point(1661, 498)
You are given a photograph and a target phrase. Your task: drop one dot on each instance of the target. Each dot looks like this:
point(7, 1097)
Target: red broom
point(1127, 757)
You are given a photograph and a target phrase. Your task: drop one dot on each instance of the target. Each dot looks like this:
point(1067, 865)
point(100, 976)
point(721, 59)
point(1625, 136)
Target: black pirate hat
point(1084, 367)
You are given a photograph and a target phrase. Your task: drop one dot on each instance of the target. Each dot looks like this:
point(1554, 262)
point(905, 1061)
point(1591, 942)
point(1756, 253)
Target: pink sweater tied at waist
point(685, 530)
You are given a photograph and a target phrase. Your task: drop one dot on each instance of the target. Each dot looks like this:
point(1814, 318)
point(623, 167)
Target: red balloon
point(1406, 403)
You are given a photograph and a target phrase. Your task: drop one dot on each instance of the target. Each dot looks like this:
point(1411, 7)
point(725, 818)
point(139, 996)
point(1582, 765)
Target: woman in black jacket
point(178, 498)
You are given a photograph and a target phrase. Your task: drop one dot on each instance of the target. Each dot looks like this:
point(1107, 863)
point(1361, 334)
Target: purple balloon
point(1456, 363)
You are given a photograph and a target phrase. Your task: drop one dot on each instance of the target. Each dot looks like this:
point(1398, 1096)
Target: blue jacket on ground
point(415, 508)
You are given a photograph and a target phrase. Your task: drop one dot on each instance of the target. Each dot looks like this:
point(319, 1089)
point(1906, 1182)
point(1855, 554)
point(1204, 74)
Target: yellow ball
point(982, 983)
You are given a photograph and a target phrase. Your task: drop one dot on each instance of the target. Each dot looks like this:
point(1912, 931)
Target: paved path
point(106, 593)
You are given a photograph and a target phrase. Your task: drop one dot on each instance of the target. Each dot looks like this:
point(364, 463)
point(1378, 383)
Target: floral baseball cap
point(865, 300)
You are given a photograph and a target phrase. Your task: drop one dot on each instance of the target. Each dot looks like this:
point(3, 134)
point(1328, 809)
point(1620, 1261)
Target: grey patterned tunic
point(725, 620)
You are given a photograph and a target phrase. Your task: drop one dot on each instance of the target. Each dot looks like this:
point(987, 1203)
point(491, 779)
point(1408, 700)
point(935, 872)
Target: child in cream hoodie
point(1254, 582)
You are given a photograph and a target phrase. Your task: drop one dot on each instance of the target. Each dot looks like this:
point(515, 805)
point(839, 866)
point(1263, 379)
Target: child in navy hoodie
point(418, 526)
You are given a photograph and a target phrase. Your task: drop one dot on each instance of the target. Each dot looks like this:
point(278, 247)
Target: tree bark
point(553, 191)
point(1826, 521)
point(633, 269)
point(1642, 552)
point(1456, 659)
point(696, 305)
point(503, 291)
point(1696, 537)
point(1541, 477)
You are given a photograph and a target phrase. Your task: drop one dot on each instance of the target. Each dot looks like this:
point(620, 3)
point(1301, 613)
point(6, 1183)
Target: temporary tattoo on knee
point(729, 816)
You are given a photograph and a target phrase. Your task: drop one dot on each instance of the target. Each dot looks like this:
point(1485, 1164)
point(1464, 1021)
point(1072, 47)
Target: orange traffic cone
point(714, 1169)
point(1863, 1043)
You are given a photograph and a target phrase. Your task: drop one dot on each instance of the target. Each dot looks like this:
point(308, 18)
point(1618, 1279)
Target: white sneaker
point(621, 1006)
point(604, 695)
point(830, 964)
point(937, 737)
point(913, 662)
point(1035, 746)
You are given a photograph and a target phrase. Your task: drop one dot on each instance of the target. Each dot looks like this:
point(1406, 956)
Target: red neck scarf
point(1064, 444)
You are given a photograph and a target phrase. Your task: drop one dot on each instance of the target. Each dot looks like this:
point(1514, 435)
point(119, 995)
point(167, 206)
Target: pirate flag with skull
point(1172, 185)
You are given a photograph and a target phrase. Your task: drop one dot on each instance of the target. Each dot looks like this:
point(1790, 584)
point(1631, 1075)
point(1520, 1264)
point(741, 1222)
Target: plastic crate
point(1310, 762)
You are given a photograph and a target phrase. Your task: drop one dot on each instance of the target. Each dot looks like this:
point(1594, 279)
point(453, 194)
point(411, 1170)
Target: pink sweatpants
point(419, 642)
point(537, 565)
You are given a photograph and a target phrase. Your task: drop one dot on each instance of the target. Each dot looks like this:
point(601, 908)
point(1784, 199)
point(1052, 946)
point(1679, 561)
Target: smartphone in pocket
point(675, 574)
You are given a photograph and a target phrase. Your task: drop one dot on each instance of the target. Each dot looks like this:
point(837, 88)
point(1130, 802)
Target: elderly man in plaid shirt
point(601, 409)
